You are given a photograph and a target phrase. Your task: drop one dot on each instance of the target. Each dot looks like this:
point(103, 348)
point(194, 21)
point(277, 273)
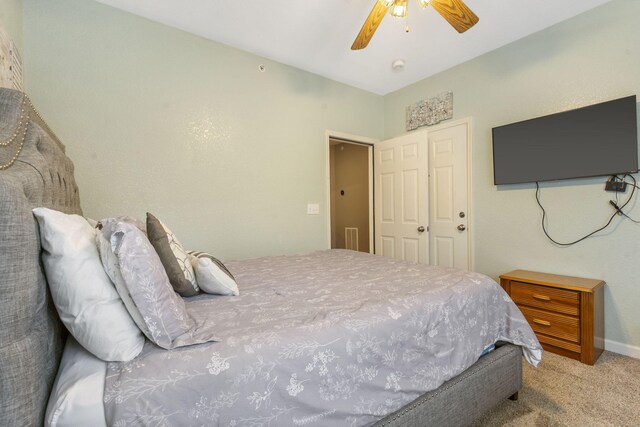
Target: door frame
point(470, 211)
point(353, 139)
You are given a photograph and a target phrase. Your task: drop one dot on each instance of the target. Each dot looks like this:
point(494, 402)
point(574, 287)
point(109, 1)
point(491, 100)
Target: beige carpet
point(564, 392)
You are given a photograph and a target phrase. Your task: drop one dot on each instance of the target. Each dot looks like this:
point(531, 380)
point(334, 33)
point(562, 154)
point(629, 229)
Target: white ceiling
point(316, 35)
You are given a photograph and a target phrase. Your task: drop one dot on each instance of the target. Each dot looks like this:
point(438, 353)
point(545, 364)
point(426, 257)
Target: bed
point(328, 338)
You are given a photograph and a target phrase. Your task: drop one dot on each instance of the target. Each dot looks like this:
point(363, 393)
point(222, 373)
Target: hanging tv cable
point(618, 211)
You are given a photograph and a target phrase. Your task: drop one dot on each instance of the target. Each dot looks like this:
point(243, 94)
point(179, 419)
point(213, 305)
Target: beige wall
point(350, 173)
point(159, 120)
point(591, 58)
point(332, 195)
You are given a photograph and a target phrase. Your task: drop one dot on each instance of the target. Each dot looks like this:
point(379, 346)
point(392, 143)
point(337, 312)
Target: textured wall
point(591, 58)
point(157, 119)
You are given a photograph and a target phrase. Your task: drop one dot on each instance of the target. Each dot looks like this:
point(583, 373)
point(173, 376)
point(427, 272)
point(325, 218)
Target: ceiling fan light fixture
point(399, 9)
point(455, 12)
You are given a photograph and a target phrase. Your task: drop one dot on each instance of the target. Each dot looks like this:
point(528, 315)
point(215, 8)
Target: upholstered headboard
point(34, 171)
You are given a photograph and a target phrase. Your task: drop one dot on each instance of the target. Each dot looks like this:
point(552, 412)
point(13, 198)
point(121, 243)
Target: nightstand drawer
point(555, 325)
point(552, 299)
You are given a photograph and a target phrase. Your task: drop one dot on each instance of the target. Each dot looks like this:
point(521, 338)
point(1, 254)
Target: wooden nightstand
point(566, 313)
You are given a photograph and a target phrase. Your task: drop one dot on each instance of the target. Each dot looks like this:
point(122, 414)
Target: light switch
point(313, 209)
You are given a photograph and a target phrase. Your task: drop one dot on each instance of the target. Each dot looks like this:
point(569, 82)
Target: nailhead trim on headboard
point(31, 335)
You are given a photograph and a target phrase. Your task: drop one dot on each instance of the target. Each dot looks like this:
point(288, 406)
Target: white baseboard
point(620, 348)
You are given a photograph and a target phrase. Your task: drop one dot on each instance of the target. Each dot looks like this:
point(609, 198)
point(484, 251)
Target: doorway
point(350, 194)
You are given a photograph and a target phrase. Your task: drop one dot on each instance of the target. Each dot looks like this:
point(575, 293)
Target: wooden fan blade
point(456, 13)
point(370, 26)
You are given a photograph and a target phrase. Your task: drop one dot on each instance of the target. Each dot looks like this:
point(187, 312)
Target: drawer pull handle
point(541, 297)
point(542, 322)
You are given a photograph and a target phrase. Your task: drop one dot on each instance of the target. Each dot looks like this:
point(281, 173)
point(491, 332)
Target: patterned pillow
point(174, 258)
point(111, 266)
point(141, 274)
point(212, 275)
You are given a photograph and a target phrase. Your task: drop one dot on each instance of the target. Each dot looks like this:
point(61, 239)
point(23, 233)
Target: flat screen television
point(597, 140)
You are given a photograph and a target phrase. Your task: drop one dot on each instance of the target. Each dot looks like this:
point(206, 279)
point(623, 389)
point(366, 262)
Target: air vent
point(351, 238)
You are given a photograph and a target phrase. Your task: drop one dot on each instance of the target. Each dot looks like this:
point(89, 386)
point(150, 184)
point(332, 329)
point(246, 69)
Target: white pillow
point(76, 396)
point(212, 275)
point(86, 300)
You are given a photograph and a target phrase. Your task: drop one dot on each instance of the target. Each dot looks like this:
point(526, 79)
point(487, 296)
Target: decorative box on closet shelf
point(565, 312)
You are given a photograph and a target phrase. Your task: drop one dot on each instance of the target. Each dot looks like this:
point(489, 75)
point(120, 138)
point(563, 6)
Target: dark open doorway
point(350, 169)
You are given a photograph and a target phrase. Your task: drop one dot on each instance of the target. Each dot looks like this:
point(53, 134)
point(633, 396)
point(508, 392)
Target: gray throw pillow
point(174, 258)
point(142, 276)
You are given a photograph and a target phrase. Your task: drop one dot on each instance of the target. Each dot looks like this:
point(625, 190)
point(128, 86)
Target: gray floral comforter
point(334, 338)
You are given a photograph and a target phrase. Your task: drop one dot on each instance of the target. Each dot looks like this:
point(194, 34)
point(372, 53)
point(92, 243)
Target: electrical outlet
point(313, 209)
point(616, 186)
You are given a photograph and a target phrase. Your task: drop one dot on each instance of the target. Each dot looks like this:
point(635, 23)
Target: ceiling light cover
point(399, 9)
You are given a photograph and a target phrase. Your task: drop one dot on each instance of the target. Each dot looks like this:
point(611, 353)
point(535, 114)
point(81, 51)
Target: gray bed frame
point(32, 337)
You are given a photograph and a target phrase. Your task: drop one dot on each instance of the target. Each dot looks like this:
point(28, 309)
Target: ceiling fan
point(454, 11)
